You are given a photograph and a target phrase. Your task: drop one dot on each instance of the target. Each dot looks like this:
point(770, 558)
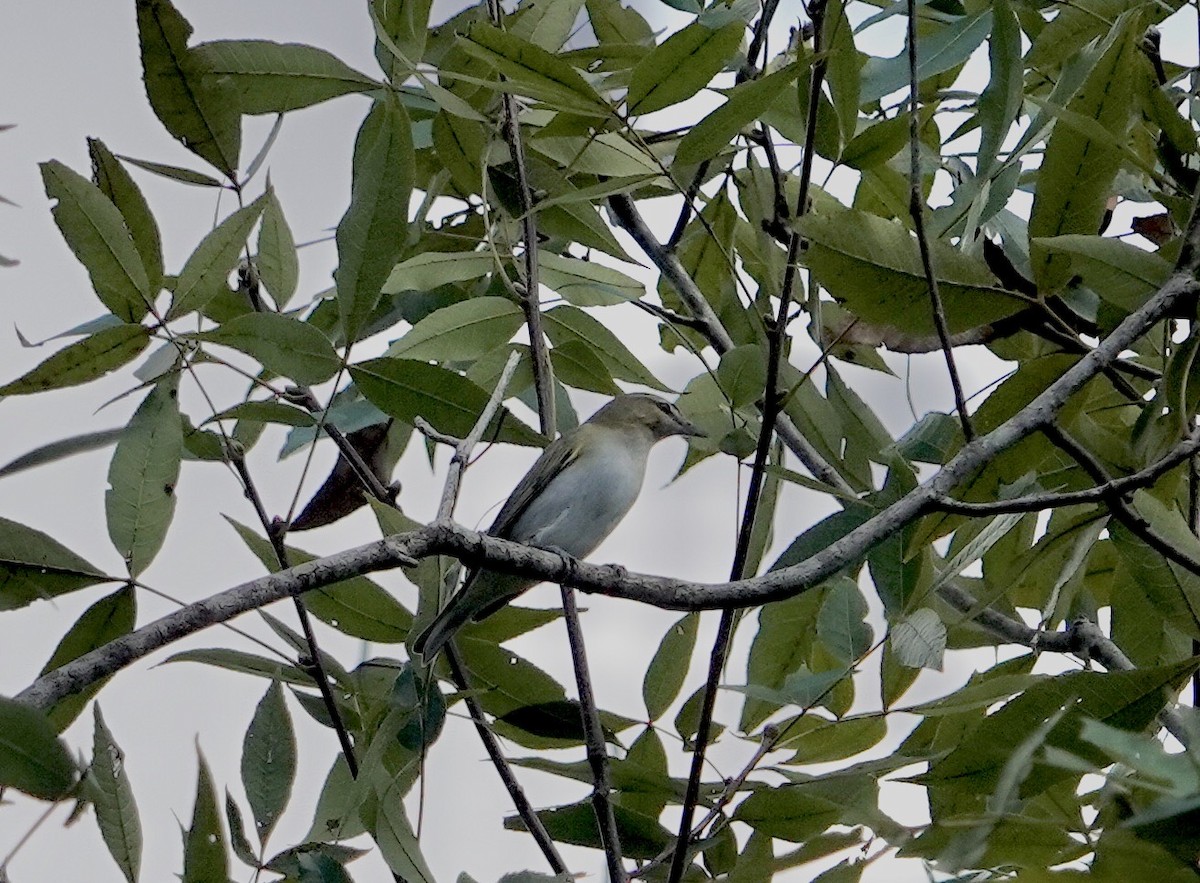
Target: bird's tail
point(430, 642)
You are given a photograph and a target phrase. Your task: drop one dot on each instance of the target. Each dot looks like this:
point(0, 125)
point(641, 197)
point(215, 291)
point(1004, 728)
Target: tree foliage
point(502, 154)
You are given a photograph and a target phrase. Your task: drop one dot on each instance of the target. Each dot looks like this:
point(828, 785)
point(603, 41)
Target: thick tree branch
point(475, 548)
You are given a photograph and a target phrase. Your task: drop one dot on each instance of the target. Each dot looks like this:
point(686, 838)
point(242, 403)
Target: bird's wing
point(555, 458)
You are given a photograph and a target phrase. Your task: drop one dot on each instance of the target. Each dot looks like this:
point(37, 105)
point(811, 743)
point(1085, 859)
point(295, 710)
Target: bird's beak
point(686, 427)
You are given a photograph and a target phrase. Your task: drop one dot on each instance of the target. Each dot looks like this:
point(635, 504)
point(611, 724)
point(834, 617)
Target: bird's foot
point(570, 564)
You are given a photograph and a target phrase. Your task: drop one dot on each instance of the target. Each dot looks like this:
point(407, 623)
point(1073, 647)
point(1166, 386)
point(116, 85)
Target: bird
point(571, 499)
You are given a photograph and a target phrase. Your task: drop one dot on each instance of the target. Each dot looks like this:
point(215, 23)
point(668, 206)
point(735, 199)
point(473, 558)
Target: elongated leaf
point(357, 607)
point(408, 389)
point(533, 71)
point(269, 77)
point(464, 330)
point(173, 173)
point(669, 667)
point(434, 268)
point(566, 323)
point(115, 183)
point(281, 344)
point(1000, 102)
point(277, 262)
point(269, 761)
point(844, 67)
point(1076, 176)
point(83, 361)
point(605, 154)
point(57, 450)
point(206, 272)
point(34, 566)
point(106, 620)
point(111, 795)
point(266, 412)
point(205, 858)
point(874, 266)
point(1122, 274)
point(840, 625)
point(140, 500)
point(96, 233)
point(368, 236)
point(32, 757)
point(681, 66)
point(586, 283)
point(201, 113)
point(578, 366)
point(746, 103)
point(936, 53)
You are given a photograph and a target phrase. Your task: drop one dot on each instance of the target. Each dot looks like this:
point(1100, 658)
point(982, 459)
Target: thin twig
point(916, 208)
point(458, 671)
point(597, 754)
point(313, 664)
point(543, 373)
point(630, 220)
point(1184, 451)
point(771, 410)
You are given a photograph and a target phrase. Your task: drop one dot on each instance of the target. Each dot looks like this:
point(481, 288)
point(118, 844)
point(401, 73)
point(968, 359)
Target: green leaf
point(140, 500)
point(58, 450)
point(1000, 101)
point(586, 283)
point(198, 111)
point(844, 68)
point(743, 374)
point(246, 663)
point(34, 566)
point(111, 795)
point(577, 365)
point(115, 183)
point(815, 739)
point(532, 71)
point(799, 812)
point(173, 173)
point(97, 235)
point(840, 625)
point(358, 607)
point(408, 389)
point(83, 361)
point(1076, 177)
point(277, 263)
point(206, 272)
point(641, 837)
point(747, 102)
point(874, 267)
point(205, 859)
point(461, 331)
point(876, 144)
point(1122, 274)
point(946, 48)
point(369, 236)
point(266, 412)
point(433, 268)
point(681, 66)
point(105, 621)
point(669, 667)
point(269, 77)
point(281, 344)
point(608, 153)
point(32, 757)
point(566, 323)
point(269, 761)
point(919, 640)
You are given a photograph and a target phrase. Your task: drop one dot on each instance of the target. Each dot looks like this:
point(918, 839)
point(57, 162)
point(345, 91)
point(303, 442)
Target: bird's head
point(642, 410)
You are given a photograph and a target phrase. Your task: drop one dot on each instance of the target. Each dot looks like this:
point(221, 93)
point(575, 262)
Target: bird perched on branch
point(574, 496)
